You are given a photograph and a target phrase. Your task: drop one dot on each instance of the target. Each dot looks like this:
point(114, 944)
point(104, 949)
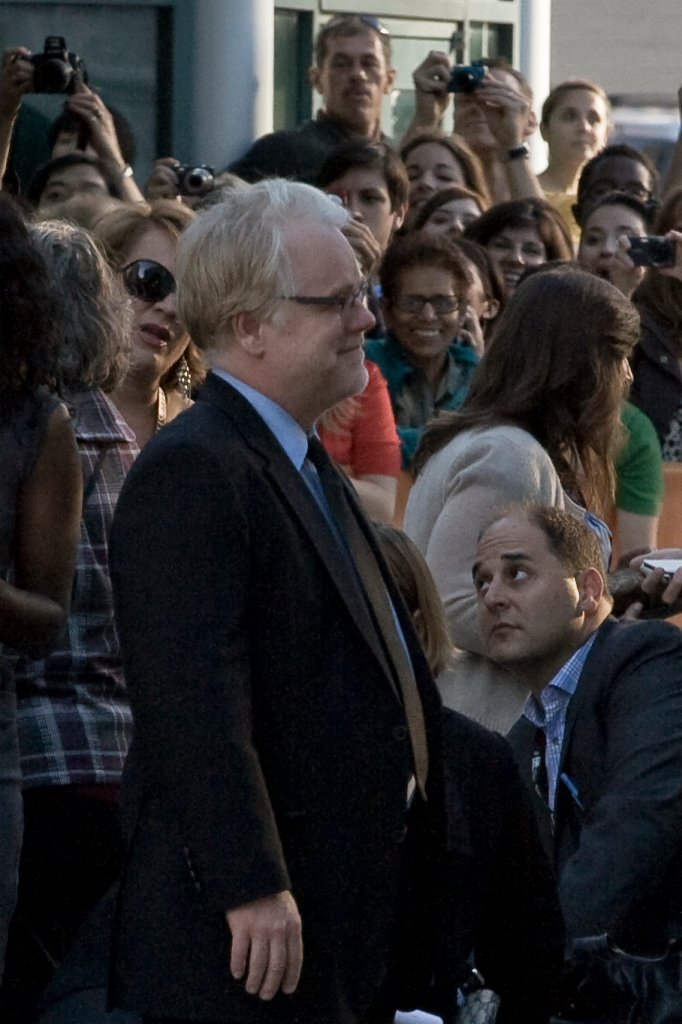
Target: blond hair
point(234, 258)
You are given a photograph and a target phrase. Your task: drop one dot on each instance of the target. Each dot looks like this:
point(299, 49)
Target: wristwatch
point(522, 151)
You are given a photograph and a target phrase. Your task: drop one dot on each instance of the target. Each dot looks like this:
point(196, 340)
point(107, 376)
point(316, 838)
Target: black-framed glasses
point(440, 304)
point(343, 303)
point(367, 19)
point(148, 280)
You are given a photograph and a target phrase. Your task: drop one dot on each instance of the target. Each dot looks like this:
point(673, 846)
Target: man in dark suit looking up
point(352, 73)
point(600, 744)
point(283, 714)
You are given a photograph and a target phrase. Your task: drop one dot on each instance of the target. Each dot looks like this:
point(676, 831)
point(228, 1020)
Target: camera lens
point(54, 76)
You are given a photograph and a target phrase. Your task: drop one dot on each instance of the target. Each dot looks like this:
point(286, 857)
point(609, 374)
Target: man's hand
point(267, 943)
point(470, 330)
point(665, 591)
point(507, 112)
point(88, 105)
point(431, 80)
point(365, 246)
point(163, 183)
point(16, 78)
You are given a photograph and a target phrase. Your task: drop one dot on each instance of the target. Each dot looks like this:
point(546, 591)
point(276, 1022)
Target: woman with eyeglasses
point(426, 356)
point(521, 233)
point(541, 424)
point(120, 355)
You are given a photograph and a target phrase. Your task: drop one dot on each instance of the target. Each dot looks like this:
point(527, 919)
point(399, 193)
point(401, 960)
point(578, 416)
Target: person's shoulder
point(506, 445)
point(622, 646)
point(285, 153)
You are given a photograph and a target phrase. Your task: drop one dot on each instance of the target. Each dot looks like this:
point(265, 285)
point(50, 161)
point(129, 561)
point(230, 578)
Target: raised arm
point(16, 78)
point(89, 106)
point(431, 94)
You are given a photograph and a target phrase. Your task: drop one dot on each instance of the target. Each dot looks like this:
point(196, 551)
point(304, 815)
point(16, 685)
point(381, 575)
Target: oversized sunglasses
point(148, 280)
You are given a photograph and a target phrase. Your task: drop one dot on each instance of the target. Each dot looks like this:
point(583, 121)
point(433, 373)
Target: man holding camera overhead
point(58, 70)
point(493, 114)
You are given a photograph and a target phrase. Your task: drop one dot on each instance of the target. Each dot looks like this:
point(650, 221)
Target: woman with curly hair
point(40, 494)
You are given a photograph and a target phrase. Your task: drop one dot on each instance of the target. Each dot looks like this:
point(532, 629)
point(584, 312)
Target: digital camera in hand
point(56, 69)
point(466, 78)
point(651, 251)
point(193, 181)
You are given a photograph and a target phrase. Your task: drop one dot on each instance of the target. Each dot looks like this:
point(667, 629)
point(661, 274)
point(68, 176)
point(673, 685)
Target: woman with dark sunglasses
point(140, 241)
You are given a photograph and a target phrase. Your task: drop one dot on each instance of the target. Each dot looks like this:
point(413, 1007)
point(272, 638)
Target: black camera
point(466, 78)
point(194, 181)
point(56, 69)
point(651, 251)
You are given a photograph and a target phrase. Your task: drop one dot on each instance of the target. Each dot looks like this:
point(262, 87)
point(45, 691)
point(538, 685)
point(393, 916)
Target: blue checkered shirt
point(548, 712)
point(73, 714)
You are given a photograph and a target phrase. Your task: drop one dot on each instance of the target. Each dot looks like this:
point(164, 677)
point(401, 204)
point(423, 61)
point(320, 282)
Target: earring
point(184, 377)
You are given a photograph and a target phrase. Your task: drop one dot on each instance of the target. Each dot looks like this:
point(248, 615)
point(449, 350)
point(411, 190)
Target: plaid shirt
point(74, 718)
point(548, 711)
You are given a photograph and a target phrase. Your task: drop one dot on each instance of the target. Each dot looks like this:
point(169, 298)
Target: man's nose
point(494, 594)
point(358, 71)
point(360, 318)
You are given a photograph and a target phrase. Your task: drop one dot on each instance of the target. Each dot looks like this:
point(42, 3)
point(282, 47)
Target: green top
point(639, 467)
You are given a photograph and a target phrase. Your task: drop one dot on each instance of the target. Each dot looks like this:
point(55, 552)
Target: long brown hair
point(554, 367)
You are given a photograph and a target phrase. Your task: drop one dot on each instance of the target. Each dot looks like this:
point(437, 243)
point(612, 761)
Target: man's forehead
point(510, 79)
point(354, 44)
point(511, 537)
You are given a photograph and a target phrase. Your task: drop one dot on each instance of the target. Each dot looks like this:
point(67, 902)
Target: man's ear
point(247, 330)
point(531, 124)
point(314, 77)
point(399, 214)
point(390, 79)
point(543, 132)
point(591, 586)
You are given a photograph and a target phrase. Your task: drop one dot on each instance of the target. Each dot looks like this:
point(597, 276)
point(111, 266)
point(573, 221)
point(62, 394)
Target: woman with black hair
point(40, 501)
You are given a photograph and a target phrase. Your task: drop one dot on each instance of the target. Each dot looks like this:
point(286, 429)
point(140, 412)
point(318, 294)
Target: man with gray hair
point(283, 713)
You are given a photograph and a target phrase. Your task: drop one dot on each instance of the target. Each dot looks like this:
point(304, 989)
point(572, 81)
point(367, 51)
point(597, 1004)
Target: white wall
point(628, 46)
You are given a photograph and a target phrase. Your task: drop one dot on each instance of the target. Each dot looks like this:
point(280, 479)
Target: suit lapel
point(295, 494)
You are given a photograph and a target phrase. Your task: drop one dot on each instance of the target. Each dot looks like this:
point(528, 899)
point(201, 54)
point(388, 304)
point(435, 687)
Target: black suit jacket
point(270, 747)
point(618, 846)
point(498, 893)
